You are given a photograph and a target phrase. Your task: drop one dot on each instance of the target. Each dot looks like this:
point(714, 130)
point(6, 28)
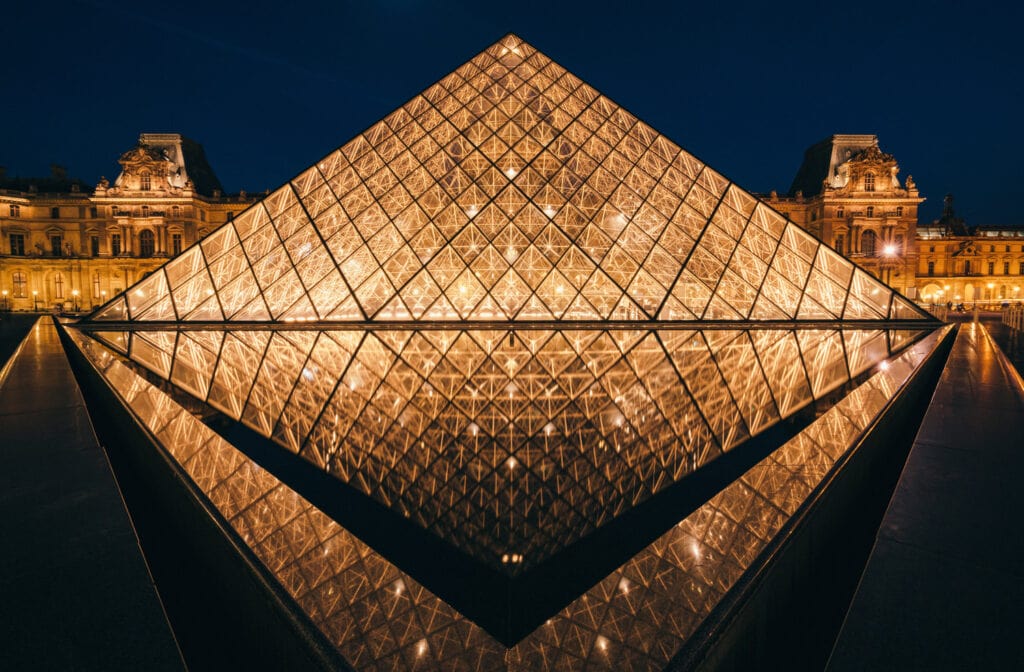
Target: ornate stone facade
point(958, 264)
point(848, 193)
point(64, 248)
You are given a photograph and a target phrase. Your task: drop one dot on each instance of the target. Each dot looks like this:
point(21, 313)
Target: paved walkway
point(943, 588)
point(74, 590)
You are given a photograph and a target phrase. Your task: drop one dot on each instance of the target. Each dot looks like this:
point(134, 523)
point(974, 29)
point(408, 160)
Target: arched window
point(867, 242)
point(58, 286)
point(144, 182)
point(146, 243)
point(869, 182)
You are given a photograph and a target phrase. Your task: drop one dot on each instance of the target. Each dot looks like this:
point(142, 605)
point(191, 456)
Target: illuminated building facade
point(493, 345)
point(847, 193)
point(958, 264)
point(66, 246)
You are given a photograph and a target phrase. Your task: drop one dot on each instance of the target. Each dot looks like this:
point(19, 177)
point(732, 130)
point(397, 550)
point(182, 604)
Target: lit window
point(869, 182)
point(20, 283)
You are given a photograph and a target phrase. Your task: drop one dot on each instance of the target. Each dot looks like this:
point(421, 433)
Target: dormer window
point(144, 182)
point(869, 182)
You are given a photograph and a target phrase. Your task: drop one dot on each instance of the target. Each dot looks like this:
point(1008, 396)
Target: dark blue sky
point(270, 87)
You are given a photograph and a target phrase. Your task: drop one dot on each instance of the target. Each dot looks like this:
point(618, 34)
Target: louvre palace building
point(70, 246)
point(67, 246)
point(509, 381)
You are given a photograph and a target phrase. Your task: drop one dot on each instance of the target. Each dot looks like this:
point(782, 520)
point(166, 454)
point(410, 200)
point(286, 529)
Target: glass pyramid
point(508, 322)
point(509, 190)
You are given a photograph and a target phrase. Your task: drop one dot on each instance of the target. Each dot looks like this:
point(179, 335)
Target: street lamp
point(889, 254)
point(35, 300)
point(74, 293)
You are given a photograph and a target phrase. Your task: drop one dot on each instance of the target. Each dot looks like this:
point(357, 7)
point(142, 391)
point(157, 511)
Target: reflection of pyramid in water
point(510, 190)
point(567, 428)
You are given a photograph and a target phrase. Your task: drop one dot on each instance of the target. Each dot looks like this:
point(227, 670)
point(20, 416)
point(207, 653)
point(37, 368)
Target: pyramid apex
point(510, 44)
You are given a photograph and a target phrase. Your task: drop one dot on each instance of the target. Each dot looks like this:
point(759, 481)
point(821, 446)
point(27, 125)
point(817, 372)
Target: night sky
point(270, 87)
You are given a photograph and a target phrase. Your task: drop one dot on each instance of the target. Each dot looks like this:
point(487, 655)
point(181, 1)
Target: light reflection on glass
point(462, 421)
point(375, 613)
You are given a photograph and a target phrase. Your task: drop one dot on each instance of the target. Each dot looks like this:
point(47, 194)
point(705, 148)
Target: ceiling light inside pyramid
point(510, 312)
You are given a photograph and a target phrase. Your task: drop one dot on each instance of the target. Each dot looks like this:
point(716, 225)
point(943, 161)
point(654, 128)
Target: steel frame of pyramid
point(509, 272)
point(510, 190)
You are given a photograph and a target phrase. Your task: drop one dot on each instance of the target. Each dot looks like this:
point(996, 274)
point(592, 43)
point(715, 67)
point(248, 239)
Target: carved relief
point(850, 175)
point(150, 168)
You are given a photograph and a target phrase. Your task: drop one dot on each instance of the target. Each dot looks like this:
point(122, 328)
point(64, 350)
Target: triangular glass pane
point(147, 292)
point(118, 340)
point(116, 310)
